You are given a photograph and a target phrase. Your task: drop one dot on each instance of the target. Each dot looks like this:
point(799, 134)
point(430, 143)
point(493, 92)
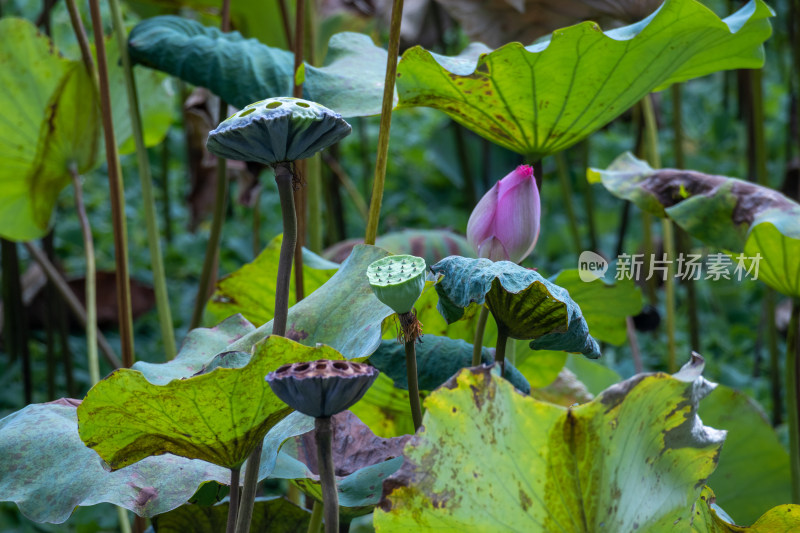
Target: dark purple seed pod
point(322, 388)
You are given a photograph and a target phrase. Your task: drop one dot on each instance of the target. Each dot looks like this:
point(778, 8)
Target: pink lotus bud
point(504, 226)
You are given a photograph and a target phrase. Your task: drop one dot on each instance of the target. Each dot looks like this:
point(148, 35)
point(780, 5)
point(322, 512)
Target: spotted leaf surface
point(540, 99)
point(745, 219)
point(217, 417)
point(601, 466)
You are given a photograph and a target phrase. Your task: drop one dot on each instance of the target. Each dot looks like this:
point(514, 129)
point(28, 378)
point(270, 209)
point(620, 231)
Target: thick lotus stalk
point(398, 281)
point(276, 132)
point(322, 389)
point(504, 226)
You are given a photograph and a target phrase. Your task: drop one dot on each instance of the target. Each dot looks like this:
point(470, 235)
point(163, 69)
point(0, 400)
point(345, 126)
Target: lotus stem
point(165, 197)
point(148, 199)
point(347, 183)
point(588, 195)
point(566, 195)
point(300, 193)
point(668, 232)
point(480, 329)
point(316, 518)
point(323, 433)
point(667, 228)
point(792, 398)
point(233, 504)
point(124, 520)
point(386, 124)
point(83, 41)
point(413, 385)
point(91, 282)
point(14, 327)
point(117, 193)
point(315, 225)
point(207, 275)
point(283, 177)
point(500, 350)
point(774, 356)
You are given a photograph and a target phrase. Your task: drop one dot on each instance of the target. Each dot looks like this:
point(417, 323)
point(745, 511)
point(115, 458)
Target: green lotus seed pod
point(397, 281)
point(276, 130)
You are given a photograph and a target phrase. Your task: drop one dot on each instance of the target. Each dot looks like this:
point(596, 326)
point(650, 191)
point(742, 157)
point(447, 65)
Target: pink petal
point(481, 222)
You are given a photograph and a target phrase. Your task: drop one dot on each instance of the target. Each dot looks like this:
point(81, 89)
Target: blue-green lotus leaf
point(438, 359)
point(523, 303)
point(277, 129)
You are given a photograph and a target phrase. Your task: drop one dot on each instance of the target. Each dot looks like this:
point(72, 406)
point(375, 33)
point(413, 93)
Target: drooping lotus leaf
point(242, 70)
point(540, 99)
point(198, 350)
point(50, 124)
point(397, 281)
point(277, 129)
point(321, 388)
point(706, 518)
point(522, 302)
point(753, 473)
point(217, 417)
point(343, 313)
point(740, 217)
point(276, 515)
point(605, 305)
point(48, 471)
point(362, 461)
point(384, 408)
point(602, 466)
point(438, 359)
point(251, 289)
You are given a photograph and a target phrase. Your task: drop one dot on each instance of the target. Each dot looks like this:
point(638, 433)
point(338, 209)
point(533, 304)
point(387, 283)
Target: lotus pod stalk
point(322, 389)
point(276, 132)
point(398, 281)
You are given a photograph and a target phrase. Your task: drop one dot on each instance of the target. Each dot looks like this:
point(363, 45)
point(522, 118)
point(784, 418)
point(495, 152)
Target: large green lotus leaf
point(753, 473)
point(276, 515)
point(250, 291)
point(217, 417)
point(540, 99)
point(156, 102)
point(634, 458)
point(198, 350)
point(706, 518)
point(362, 462)
point(49, 471)
point(605, 305)
point(344, 313)
point(522, 302)
point(740, 217)
point(243, 71)
point(50, 124)
point(438, 359)
point(385, 409)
